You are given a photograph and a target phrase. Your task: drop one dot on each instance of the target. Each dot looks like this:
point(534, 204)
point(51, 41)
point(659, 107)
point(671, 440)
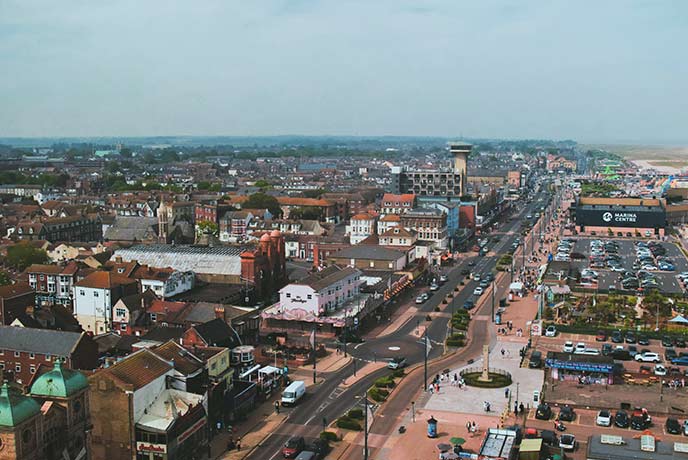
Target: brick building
point(14, 300)
point(23, 349)
point(53, 283)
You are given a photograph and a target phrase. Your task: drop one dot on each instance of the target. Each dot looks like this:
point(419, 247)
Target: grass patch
point(498, 380)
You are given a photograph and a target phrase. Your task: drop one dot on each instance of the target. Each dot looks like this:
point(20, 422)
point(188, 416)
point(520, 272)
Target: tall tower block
point(460, 152)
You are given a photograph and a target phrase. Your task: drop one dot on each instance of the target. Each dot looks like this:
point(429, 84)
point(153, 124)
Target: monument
point(485, 376)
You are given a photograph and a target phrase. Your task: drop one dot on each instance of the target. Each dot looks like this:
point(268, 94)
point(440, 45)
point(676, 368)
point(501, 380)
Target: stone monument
point(485, 377)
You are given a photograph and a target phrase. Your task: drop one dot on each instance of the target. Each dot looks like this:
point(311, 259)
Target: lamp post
point(451, 322)
point(425, 361)
point(494, 286)
point(365, 442)
point(413, 411)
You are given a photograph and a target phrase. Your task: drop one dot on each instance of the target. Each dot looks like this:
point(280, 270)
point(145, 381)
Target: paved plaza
point(469, 400)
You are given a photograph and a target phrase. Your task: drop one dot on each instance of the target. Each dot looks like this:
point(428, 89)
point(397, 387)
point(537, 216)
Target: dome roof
point(275, 233)
point(59, 382)
point(265, 238)
point(15, 407)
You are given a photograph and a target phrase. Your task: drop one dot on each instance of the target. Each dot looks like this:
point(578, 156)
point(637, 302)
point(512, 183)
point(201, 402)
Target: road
point(332, 400)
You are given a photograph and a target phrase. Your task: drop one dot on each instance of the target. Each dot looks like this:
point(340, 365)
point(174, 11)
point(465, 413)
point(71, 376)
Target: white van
point(293, 392)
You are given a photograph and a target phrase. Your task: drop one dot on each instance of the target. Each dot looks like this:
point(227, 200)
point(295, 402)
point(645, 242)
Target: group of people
point(675, 384)
point(471, 427)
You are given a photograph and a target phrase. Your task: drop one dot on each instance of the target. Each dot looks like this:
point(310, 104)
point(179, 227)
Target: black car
point(606, 349)
point(680, 342)
point(673, 426)
point(670, 354)
point(639, 422)
point(642, 340)
point(320, 447)
point(621, 355)
point(630, 337)
point(667, 341)
point(617, 337)
point(621, 419)
point(566, 414)
point(535, 360)
point(543, 412)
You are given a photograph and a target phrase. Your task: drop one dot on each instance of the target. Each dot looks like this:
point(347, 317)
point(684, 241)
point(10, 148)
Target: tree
point(263, 201)
point(206, 226)
point(307, 213)
point(4, 279)
point(314, 193)
point(262, 183)
point(21, 255)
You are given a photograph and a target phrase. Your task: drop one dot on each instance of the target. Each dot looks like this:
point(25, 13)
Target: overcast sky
point(592, 71)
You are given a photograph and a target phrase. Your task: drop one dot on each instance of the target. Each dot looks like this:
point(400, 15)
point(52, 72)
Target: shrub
point(384, 382)
point(398, 373)
point(329, 436)
point(355, 413)
point(378, 394)
point(348, 424)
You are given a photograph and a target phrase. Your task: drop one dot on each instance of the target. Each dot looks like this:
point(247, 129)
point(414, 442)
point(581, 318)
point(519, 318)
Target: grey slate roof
point(326, 277)
point(45, 341)
point(367, 252)
point(132, 229)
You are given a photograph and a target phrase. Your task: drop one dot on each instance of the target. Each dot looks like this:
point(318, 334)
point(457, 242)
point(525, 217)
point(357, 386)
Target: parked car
point(551, 331)
point(567, 442)
point(621, 419)
point(568, 347)
point(566, 414)
point(606, 349)
point(643, 340)
point(632, 350)
point(604, 418)
point(535, 360)
point(293, 447)
point(660, 370)
point(478, 291)
point(617, 337)
point(434, 287)
point(580, 346)
point(680, 361)
point(672, 426)
point(685, 427)
point(601, 336)
point(630, 337)
point(680, 342)
point(670, 354)
point(648, 357)
point(543, 412)
point(667, 341)
point(640, 420)
point(422, 298)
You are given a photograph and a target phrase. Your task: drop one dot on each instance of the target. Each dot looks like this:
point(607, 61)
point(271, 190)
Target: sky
point(588, 70)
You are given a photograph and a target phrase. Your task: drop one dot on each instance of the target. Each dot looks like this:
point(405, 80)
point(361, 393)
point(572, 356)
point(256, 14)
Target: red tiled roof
point(104, 280)
point(293, 201)
point(403, 198)
point(362, 216)
point(15, 290)
point(139, 369)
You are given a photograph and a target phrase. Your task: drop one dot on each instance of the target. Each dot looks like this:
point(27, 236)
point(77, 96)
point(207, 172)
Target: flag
point(312, 339)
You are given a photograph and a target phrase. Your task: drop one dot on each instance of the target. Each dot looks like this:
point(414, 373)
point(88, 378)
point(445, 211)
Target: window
point(17, 354)
point(32, 369)
point(153, 317)
point(123, 326)
point(17, 368)
point(120, 311)
point(42, 277)
point(288, 295)
point(95, 294)
point(47, 357)
point(82, 292)
point(2, 365)
point(32, 355)
point(309, 297)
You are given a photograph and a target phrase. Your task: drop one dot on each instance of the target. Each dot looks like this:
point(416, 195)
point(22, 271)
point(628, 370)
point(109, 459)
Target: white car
point(551, 331)
point(660, 370)
point(567, 441)
point(580, 346)
point(590, 352)
point(568, 347)
point(604, 418)
point(478, 291)
point(648, 357)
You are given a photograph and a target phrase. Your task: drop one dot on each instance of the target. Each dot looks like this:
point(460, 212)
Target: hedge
point(348, 424)
point(329, 436)
point(384, 382)
point(355, 413)
point(378, 394)
point(398, 373)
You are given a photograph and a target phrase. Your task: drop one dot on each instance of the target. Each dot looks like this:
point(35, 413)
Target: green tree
point(21, 255)
point(262, 183)
point(261, 200)
point(206, 226)
point(306, 213)
point(4, 279)
point(314, 193)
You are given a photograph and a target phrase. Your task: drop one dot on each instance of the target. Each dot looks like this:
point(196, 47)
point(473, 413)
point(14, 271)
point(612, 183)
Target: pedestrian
point(468, 427)
point(277, 407)
point(516, 409)
point(502, 351)
point(521, 408)
point(230, 444)
point(506, 392)
point(238, 444)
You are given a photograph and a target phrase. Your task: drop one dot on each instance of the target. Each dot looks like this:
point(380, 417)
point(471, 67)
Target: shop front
point(582, 369)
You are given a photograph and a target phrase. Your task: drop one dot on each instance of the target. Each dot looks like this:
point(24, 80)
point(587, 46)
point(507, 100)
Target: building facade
point(429, 224)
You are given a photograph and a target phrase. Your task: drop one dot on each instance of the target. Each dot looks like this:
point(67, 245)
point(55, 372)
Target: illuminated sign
point(148, 447)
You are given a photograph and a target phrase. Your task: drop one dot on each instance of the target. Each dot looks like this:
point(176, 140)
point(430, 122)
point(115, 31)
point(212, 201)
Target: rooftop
point(138, 369)
point(327, 277)
point(44, 341)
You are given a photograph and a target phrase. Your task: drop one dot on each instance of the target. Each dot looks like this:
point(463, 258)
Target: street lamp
point(365, 442)
point(425, 361)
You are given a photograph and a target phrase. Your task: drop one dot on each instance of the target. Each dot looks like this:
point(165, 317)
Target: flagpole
point(314, 372)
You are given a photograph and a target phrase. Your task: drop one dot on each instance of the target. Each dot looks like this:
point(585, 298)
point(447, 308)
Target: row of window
point(17, 354)
point(18, 368)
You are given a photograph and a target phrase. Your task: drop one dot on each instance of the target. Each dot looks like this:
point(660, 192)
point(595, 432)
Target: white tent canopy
point(679, 319)
point(516, 287)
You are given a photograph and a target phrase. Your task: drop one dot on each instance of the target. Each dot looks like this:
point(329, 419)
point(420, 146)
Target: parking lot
point(667, 281)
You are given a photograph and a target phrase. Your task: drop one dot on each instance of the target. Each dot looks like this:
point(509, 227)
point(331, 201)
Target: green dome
point(15, 407)
point(59, 382)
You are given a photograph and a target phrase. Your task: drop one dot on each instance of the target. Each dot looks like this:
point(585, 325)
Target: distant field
point(650, 153)
point(670, 163)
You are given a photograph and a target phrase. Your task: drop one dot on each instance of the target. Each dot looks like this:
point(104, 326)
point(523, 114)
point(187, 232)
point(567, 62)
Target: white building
point(166, 284)
point(322, 292)
point(386, 222)
point(361, 226)
point(398, 236)
point(94, 297)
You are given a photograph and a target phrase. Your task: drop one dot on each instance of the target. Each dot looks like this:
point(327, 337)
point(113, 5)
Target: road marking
point(309, 420)
point(356, 347)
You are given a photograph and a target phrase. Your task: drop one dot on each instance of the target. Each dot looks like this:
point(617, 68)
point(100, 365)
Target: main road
point(330, 399)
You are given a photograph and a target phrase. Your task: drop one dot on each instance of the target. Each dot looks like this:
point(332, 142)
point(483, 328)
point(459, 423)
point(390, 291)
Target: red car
point(293, 447)
point(601, 336)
